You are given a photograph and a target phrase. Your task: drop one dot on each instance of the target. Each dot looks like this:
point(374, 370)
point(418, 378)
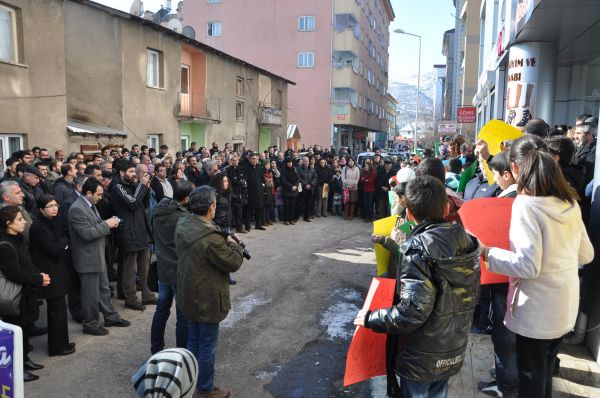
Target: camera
point(239, 242)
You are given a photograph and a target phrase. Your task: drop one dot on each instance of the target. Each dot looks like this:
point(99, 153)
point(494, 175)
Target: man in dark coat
point(239, 191)
point(166, 215)
point(64, 185)
point(382, 187)
point(308, 181)
point(130, 199)
point(253, 172)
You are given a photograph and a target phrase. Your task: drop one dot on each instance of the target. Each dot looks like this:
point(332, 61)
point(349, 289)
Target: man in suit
point(88, 239)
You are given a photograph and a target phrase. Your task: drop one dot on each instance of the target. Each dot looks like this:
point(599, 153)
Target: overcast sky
point(427, 18)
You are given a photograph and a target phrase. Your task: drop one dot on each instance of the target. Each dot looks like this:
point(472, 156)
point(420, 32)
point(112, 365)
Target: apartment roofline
point(387, 4)
point(180, 37)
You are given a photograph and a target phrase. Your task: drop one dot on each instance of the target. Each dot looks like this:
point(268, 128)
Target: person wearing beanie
point(169, 373)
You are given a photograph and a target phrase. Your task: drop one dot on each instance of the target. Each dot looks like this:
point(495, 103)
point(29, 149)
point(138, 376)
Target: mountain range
point(406, 91)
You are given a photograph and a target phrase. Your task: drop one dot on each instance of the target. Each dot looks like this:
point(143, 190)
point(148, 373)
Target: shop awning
point(77, 127)
point(293, 132)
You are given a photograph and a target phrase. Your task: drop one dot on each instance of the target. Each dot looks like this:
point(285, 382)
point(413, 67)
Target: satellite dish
point(136, 8)
point(188, 31)
point(175, 25)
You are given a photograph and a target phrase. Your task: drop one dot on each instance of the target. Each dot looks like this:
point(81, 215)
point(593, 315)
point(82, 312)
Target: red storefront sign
point(467, 114)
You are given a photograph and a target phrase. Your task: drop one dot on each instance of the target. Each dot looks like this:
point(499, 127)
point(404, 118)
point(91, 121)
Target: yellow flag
point(382, 255)
point(489, 174)
point(495, 131)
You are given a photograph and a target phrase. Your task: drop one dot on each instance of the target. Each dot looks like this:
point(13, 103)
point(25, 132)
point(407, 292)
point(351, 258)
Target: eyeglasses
point(50, 206)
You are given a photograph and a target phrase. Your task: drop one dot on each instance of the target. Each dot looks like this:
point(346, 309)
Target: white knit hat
point(405, 174)
point(170, 373)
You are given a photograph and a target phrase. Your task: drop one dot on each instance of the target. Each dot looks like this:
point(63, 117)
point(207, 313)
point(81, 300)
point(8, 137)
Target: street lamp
point(402, 32)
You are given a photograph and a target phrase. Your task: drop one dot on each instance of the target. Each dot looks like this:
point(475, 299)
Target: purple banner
point(7, 384)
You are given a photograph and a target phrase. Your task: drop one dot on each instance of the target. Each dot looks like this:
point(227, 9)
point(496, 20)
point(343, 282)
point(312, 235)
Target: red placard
point(489, 220)
point(466, 114)
point(366, 355)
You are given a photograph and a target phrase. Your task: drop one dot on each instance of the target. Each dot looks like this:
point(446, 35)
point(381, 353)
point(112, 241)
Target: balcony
point(269, 115)
point(195, 107)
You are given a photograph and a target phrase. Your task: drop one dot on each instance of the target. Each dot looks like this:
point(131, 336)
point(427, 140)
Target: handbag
point(346, 196)
point(10, 294)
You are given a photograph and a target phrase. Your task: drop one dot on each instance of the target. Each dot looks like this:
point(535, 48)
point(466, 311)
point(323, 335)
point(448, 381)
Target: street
point(286, 335)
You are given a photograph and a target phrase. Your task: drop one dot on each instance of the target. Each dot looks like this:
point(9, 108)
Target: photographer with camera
point(205, 259)
point(130, 198)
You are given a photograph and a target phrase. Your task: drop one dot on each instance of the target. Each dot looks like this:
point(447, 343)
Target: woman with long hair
point(548, 241)
point(220, 183)
point(48, 247)
point(17, 267)
point(350, 178)
point(177, 173)
point(368, 178)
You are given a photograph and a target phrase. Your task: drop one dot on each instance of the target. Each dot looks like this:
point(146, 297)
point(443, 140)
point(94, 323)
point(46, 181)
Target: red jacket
point(369, 180)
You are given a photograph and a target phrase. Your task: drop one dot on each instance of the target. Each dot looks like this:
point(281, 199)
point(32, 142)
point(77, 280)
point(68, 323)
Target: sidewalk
point(579, 373)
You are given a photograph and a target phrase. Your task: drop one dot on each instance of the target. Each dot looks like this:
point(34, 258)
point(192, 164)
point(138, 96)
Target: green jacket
point(204, 263)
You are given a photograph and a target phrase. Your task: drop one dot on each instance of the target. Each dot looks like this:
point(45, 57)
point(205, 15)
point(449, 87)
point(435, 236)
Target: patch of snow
point(348, 294)
point(337, 320)
point(242, 307)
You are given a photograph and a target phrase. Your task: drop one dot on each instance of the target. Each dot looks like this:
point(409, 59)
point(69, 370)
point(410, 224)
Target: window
point(306, 24)
point(154, 141)
point(154, 70)
point(184, 142)
point(306, 60)
point(185, 79)
point(239, 86)
point(279, 99)
point(239, 111)
point(8, 145)
point(8, 35)
point(213, 1)
point(213, 29)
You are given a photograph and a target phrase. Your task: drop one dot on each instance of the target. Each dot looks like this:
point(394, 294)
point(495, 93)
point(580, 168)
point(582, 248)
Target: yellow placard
point(489, 174)
point(495, 132)
point(382, 255)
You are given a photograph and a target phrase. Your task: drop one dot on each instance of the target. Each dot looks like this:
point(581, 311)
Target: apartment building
point(467, 35)
point(105, 77)
point(390, 116)
point(336, 52)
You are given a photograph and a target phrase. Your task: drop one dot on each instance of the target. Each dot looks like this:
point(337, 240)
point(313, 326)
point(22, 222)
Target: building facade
point(528, 68)
point(390, 116)
point(541, 59)
point(105, 77)
point(33, 106)
point(449, 50)
point(336, 52)
point(467, 28)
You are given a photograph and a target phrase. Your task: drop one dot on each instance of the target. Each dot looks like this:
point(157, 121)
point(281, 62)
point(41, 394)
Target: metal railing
point(194, 106)
point(270, 115)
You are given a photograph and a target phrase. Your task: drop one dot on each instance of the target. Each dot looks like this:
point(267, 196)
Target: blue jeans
point(505, 342)
point(202, 342)
point(424, 389)
point(166, 294)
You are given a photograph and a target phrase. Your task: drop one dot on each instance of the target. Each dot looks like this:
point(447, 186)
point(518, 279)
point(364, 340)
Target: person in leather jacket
point(436, 293)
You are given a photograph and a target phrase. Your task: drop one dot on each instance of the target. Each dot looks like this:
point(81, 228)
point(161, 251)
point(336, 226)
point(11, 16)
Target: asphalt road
point(286, 336)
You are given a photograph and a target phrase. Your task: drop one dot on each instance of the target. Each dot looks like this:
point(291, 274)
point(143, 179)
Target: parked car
point(360, 159)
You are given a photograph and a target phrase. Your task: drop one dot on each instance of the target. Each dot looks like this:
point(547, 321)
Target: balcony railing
point(197, 107)
point(269, 115)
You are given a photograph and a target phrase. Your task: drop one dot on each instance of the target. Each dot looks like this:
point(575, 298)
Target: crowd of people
point(437, 264)
point(65, 222)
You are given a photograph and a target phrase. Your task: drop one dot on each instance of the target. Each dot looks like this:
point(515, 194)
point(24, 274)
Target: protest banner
point(489, 220)
point(382, 255)
point(11, 361)
point(366, 355)
point(495, 132)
